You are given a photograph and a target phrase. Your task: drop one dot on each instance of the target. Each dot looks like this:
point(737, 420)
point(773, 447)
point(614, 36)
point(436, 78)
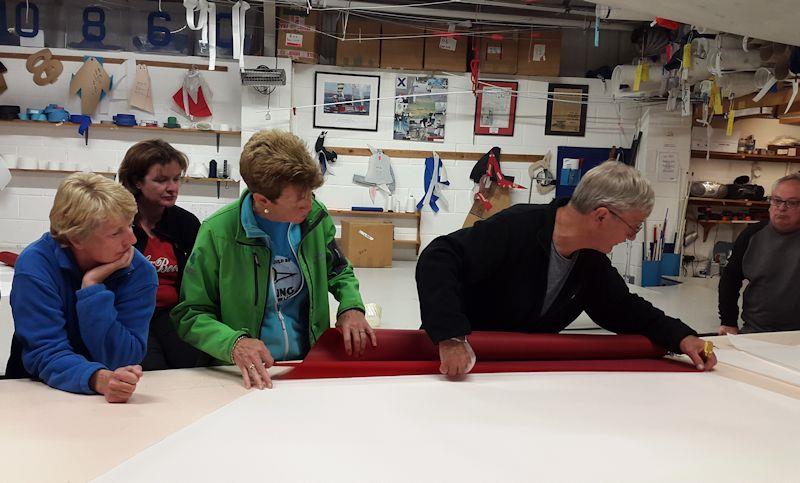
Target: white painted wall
point(25, 204)
point(339, 191)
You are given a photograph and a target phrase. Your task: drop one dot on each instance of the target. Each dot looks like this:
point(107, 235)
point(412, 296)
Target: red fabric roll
point(410, 352)
point(9, 258)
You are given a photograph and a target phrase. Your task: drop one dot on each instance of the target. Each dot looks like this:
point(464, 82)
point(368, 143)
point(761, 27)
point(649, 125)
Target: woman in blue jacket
point(82, 297)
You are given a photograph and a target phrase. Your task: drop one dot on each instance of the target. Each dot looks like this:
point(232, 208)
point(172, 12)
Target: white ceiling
point(775, 20)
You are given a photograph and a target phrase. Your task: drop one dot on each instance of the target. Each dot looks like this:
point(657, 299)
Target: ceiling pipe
point(539, 8)
point(446, 14)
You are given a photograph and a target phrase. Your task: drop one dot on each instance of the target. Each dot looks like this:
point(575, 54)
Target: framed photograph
point(495, 108)
point(346, 101)
point(420, 109)
point(566, 110)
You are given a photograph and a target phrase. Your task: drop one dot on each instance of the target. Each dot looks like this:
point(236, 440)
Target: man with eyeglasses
point(768, 256)
point(535, 268)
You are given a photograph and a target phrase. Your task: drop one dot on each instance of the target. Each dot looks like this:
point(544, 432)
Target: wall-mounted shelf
point(56, 171)
point(724, 202)
point(708, 225)
point(110, 60)
point(453, 155)
point(114, 127)
point(415, 244)
point(768, 158)
point(185, 179)
point(375, 214)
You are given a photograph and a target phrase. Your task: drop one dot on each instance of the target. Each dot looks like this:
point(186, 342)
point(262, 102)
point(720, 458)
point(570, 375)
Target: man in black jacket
point(535, 268)
point(768, 256)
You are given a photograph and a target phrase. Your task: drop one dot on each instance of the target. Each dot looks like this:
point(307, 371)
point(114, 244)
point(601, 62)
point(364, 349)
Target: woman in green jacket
point(255, 288)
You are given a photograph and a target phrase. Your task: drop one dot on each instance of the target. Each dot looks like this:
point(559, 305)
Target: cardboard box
point(499, 56)
point(446, 53)
point(368, 244)
point(401, 53)
point(500, 198)
point(296, 40)
point(354, 53)
point(539, 54)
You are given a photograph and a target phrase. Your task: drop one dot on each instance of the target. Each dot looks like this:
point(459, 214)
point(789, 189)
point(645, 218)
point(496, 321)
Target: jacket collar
point(247, 218)
point(545, 233)
point(245, 235)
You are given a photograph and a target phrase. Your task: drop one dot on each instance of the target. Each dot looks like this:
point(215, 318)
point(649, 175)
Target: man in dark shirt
point(768, 256)
point(535, 268)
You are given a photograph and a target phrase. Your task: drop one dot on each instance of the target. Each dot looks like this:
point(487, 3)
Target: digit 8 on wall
point(44, 67)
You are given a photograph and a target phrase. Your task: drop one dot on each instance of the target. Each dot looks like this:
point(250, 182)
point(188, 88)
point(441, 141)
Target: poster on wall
point(420, 108)
point(566, 110)
point(495, 108)
point(346, 101)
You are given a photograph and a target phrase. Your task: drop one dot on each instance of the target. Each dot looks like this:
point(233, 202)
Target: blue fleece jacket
point(68, 333)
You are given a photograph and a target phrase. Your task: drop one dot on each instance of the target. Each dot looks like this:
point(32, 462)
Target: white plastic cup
point(28, 162)
point(10, 159)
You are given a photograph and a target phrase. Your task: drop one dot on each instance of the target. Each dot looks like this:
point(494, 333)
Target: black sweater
point(493, 277)
point(177, 226)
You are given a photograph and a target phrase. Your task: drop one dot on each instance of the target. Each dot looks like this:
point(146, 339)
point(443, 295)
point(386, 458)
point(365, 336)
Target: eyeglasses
point(634, 229)
point(792, 204)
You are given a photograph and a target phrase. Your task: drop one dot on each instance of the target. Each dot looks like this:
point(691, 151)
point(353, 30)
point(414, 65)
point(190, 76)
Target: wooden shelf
point(375, 214)
point(724, 202)
point(453, 155)
point(114, 127)
point(416, 216)
point(185, 179)
point(56, 171)
point(769, 158)
point(406, 243)
point(727, 222)
point(109, 60)
point(708, 225)
point(397, 243)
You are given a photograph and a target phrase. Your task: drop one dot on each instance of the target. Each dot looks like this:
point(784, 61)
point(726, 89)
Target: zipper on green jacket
point(256, 264)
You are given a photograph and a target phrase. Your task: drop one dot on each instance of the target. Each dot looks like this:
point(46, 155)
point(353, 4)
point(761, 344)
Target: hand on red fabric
point(117, 386)
point(356, 331)
point(252, 358)
point(457, 358)
point(694, 347)
point(727, 329)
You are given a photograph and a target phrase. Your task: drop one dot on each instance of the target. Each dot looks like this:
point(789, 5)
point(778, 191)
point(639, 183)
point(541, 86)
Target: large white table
point(48, 435)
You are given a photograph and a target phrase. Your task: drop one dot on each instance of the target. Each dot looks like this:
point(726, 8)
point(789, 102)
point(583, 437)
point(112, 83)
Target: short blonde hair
point(86, 200)
point(273, 159)
point(613, 185)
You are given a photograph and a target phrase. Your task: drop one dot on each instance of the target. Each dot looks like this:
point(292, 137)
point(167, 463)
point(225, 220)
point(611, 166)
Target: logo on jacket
point(287, 278)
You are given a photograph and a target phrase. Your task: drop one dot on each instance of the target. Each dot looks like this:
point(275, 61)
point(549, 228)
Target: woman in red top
point(165, 234)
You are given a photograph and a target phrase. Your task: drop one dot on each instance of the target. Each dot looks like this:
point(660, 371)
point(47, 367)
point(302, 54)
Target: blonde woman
point(82, 297)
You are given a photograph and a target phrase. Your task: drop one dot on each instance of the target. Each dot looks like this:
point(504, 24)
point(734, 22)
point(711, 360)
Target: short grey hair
point(788, 177)
point(614, 185)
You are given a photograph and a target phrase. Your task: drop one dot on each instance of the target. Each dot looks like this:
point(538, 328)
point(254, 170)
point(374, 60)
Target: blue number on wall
point(34, 13)
point(158, 35)
point(98, 24)
point(228, 43)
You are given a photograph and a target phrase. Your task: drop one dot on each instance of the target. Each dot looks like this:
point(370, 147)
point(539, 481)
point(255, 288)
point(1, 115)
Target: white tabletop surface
point(49, 435)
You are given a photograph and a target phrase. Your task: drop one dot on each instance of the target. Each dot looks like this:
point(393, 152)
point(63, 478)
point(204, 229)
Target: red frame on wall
point(509, 131)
